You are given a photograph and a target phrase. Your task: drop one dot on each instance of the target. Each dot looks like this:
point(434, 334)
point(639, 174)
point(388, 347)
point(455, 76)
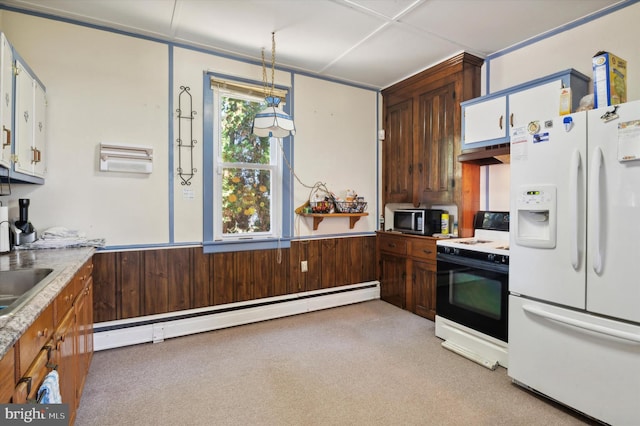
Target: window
point(248, 191)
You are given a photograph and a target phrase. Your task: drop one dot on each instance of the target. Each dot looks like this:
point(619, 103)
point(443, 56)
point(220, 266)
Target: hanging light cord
point(268, 91)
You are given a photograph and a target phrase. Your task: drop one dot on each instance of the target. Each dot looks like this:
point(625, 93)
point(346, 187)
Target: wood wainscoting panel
point(202, 283)
point(104, 287)
point(129, 284)
point(223, 276)
point(134, 283)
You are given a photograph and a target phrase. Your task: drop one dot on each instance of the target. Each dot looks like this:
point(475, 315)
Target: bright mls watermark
point(34, 414)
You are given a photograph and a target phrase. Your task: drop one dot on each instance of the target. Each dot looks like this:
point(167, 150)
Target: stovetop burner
point(491, 235)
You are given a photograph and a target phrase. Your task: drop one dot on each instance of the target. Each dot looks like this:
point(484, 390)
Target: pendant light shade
point(272, 121)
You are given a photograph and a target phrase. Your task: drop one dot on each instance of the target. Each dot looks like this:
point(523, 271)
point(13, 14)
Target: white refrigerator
point(574, 273)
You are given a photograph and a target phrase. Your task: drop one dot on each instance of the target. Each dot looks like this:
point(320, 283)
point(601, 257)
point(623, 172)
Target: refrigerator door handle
point(608, 331)
point(596, 164)
point(576, 163)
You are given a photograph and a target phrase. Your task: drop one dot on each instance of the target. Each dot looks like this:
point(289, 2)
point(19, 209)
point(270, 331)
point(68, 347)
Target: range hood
point(495, 154)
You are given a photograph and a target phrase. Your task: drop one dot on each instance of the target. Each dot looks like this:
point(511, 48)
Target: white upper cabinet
point(30, 123)
point(488, 120)
point(6, 101)
point(485, 121)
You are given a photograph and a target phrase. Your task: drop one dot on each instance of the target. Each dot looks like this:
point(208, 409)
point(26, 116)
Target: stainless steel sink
point(18, 286)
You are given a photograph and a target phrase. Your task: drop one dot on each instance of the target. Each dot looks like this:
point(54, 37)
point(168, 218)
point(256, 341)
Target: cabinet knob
point(511, 120)
point(43, 333)
point(500, 121)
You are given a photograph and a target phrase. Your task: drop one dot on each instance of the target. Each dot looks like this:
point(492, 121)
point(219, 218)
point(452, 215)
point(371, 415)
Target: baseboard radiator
point(157, 328)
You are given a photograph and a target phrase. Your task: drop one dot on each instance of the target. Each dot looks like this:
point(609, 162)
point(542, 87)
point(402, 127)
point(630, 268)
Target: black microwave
point(418, 221)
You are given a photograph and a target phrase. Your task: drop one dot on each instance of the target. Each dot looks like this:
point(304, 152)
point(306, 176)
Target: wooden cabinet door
point(423, 276)
point(7, 376)
point(434, 149)
point(84, 335)
point(65, 358)
point(397, 153)
point(393, 279)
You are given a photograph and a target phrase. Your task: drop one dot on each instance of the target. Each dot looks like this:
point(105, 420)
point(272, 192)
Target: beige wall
point(106, 87)
point(617, 33)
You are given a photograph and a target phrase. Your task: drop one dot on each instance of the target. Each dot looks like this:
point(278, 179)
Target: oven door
point(473, 293)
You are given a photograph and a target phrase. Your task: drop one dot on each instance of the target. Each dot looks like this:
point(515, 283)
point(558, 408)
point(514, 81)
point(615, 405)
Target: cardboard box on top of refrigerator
point(609, 79)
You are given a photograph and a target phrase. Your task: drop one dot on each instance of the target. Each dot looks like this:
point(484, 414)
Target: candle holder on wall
point(185, 150)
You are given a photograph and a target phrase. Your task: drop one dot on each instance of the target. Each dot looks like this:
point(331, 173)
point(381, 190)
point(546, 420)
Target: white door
point(24, 120)
point(587, 362)
point(547, 239)
point(6, 101)
point(540, 102)
point(485, 121)
point(614, 214)
point(39, 131)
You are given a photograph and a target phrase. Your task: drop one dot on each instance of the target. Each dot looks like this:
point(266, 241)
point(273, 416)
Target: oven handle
point(473, 263)
point(608, 331)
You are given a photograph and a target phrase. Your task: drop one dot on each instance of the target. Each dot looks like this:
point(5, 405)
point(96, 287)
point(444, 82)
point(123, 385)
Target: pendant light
point(272, 121)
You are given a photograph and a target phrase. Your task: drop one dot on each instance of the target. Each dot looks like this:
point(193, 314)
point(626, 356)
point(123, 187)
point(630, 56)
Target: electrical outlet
point(303, 266)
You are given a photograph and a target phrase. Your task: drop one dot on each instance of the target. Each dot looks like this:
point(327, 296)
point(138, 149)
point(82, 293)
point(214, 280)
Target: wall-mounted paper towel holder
point(126, 158)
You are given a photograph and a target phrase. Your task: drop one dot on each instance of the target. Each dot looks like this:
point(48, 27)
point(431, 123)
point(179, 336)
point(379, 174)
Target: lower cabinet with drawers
point(60, 338)
point(407, 272)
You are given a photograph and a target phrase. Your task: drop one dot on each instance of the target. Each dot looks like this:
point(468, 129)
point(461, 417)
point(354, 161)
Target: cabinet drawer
point(7, 376)
point(29, 384)
point(64, 301)
point(392, 244)
point(34, 339)
point(423, 249)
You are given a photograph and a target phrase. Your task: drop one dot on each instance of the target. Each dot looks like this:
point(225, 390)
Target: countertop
point(64, 262)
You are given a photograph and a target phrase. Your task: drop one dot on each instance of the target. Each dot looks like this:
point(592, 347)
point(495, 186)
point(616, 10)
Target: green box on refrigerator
point(609, 79)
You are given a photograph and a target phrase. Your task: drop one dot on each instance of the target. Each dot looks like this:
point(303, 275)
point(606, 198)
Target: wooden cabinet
point(407, 272)
point(62, 338)
point(435, 145)
point(65, 358)
point(398, 150)
point(488, 120)
point(34, 339)
point(393, 276)
point(422, 139)
point(7, 376)
point(6, 100)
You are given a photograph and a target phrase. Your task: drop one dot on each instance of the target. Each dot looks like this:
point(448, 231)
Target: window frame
point(282, 210)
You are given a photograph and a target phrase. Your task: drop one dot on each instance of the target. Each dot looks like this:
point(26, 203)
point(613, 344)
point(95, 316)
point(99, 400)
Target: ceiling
point(373, 43)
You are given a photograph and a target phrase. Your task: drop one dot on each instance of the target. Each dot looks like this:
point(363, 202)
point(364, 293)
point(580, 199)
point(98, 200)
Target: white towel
point(49, 392)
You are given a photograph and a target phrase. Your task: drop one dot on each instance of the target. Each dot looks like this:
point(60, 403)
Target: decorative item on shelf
point(357, 206)
point(272, 121)
point(321, 201)
point(351, 203)
point(185, 173)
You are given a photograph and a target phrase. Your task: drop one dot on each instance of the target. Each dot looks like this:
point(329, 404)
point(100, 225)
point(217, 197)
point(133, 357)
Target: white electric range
point(473, 291)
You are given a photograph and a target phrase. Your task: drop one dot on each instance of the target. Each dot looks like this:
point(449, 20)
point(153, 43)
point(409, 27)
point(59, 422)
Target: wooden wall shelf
point(318, 217)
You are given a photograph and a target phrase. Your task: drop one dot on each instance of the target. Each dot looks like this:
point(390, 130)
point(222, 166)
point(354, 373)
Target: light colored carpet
point(369, 363)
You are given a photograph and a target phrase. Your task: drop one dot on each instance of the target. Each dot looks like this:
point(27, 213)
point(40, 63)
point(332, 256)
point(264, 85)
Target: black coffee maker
point(23, 231)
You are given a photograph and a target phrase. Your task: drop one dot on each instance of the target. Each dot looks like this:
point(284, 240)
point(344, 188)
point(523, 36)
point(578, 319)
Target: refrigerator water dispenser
point(536, 216)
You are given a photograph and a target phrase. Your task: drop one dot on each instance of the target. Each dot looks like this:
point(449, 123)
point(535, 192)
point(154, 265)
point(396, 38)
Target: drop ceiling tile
point(487, 26)
point(390, 56)
point(309, 34)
